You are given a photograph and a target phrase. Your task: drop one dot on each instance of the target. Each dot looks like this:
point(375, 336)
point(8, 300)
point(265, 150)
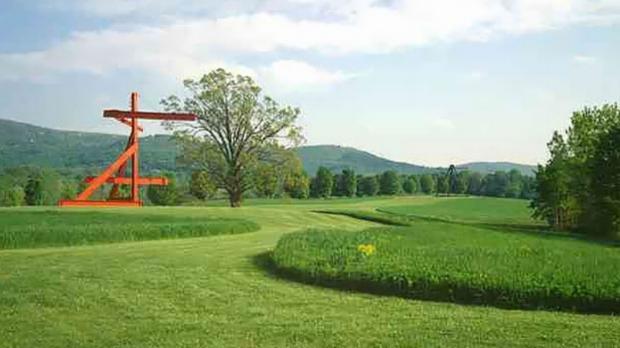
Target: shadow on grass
point(378, 217)
point(441, 292)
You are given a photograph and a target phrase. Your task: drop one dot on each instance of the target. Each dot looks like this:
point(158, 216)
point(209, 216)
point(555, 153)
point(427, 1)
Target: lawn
point(216, 291)
point(484, 210)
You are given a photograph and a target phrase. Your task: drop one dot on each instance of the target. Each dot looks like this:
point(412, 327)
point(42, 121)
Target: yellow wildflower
point(366, 249)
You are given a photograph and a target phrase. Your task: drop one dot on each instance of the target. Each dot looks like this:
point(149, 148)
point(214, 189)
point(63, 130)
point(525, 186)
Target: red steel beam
point(127, 181)
point(87, 203)
point(94, 185)
point(170, 116)
point(127, 122)
point(135, 167)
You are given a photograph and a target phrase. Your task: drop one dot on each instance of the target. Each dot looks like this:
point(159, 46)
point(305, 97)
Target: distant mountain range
point(25, 144)
point(336, 158)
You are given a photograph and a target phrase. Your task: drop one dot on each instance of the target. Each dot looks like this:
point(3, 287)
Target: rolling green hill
point(337, 158)
point(25, 144)
point(490, 167)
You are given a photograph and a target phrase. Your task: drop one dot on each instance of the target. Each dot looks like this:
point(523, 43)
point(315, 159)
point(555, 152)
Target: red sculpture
point(129, 118)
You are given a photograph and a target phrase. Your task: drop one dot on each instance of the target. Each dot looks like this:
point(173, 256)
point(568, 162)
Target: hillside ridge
point(26, 144)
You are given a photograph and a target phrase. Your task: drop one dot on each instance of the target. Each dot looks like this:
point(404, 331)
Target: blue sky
point(424, 82)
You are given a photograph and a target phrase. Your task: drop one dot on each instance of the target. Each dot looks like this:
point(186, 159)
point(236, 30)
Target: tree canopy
point(238, 128)
point(577, 187)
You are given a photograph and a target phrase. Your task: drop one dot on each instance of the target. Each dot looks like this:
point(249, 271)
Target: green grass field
point(484, 210)
point(216, 291)
point(44, 228)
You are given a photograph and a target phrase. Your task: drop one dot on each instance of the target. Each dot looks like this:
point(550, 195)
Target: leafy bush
point(21, 229)
point(164, 195)
point(457, 263)
point(12, 197)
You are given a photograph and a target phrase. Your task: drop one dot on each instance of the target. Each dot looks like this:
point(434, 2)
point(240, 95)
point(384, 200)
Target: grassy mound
point(44, 228)
point(459, 263)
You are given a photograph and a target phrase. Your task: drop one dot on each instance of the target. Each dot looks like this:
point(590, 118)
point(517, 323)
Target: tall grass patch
point(32, 229)
point(459, 263)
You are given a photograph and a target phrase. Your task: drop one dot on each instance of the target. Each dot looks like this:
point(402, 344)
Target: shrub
point(164, 195)
point(12, 197)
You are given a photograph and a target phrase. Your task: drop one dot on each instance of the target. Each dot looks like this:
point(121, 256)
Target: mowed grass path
point(213, 292)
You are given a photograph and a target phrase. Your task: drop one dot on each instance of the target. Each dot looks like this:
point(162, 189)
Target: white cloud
point(183, 47)
point(584, 59)
point(298, 74)
point(476, 75)
point(141, 9)
point(442, 123)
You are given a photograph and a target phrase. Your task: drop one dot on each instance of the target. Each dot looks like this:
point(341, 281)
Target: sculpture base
point(117, 203)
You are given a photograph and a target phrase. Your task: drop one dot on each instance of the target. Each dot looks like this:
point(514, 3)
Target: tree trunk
point(234, 197)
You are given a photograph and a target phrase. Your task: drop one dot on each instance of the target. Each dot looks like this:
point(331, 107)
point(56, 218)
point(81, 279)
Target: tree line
point(349, 184)
point(29, 185)
point(579, 186)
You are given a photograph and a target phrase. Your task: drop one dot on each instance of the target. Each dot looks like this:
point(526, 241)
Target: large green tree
point(462, 182)
point(474, 184)
point(322, 184)
point(443, 184)
point(369, 186)
point(427, 184)
point(410, 184)
point(297, 185)
point(603, 209)
point(569, 194)
point(237, 129)
point(201, 186)
point(347, 183)
point(389, 183)
point(554, 201)
point(265, 180)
